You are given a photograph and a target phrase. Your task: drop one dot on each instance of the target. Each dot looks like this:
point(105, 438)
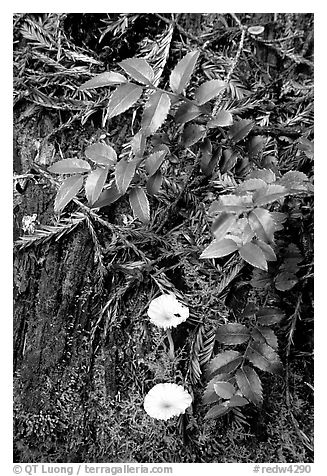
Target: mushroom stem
point(171, 351)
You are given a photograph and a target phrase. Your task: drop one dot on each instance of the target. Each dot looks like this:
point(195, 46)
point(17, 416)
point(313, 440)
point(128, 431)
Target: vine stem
point(171, 351)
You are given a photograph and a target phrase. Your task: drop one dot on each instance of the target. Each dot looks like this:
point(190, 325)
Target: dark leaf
point(101, 154)
point(188, 111)
point(285, 281)
point(264, 357)
point(228, 160)
point(192, 134)
point(250, 385)
point(256, 144)
point(154, 183)
point(206, 154)
point(237, 401)
point(240, 130)
point(67, 191)
point(224, 362)
point(267, 316)
point(265, 335)
point(232, 334)
point(182, 72)
point(123, 98)
point(70, 166)
point(216, 412)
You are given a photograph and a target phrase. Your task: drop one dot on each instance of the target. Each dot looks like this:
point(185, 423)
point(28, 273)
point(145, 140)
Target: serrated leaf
point(270, 194)
point(154, 161)
point(154, 183)
point(285, 281)
point(256, 144)
point(188, 111)
point(225, 362)
point(104, 79)
point(182, 72)
point(67, 191)
point(155, 112)
point(266, 175)
point(209, 90)
point(213, 161)
point(267, 316)
point(240, 130)
point(250, 385)
point(222, 119)
point(251, 185)
point(70, 166)
point(262, 224)
point(216, 412)
point(267, 250)
point(222, 225)
point(237, 401)
point(228, 160)
point(138, 69)
point(253, 255)
point(224, 389)
point(232, 334)
point(108, 196)
point(293, 179)
point(124, 173)
point(265, 335)
point(101, 154)
point(279, 218)
point(307, 147)
point(231, 203)
point(192, 134)
point(138, 144)
point(260, 279)
point(139, 204)
point(218, 249)
point(94, 184)
point(209, 394)
point(123, 98)
point(264, 357)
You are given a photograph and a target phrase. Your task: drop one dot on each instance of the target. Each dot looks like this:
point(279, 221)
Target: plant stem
point(171, 351)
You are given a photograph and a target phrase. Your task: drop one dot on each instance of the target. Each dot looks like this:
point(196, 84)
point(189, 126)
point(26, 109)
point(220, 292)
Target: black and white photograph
point(163, 236)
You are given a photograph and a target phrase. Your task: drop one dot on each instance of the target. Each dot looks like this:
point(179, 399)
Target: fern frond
point(45, 233)
point(157, 52)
